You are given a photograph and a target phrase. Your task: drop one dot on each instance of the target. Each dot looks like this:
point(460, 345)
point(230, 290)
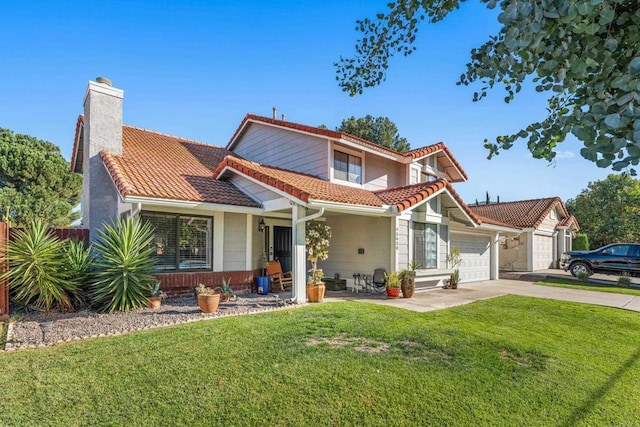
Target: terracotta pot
point(315, 292)
point(155, 302)
point(393, 292)
point(208, 303)
point(408, 287)
point(224, 297)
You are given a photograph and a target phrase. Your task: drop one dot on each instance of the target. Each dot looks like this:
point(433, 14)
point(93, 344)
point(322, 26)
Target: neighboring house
point(223, 211)
point(547, 232)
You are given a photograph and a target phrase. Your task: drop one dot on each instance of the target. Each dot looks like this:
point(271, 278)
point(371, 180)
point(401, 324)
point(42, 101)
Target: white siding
point(235, 228)
point(255, 191)
point(382, 173)
point(351, 232)
point(285, 149)
point(476, 256)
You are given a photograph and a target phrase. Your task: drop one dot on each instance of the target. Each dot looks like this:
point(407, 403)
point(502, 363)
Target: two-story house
point(223, 211)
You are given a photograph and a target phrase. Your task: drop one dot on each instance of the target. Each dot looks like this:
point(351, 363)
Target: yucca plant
point(123, 267)
point(78, 263)
point(37, 268)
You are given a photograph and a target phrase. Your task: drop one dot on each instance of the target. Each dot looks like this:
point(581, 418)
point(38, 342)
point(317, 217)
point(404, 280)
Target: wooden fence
point(6, 235)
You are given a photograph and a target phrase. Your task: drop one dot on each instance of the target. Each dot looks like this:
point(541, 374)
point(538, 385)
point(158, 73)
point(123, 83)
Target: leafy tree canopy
point(583, 53)
point(609, 210)
point(380, 130)
point(36, 182)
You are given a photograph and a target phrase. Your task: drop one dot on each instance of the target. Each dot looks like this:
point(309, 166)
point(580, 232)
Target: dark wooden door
point(282, 246)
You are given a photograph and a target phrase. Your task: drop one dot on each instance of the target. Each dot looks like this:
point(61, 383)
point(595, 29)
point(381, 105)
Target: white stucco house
point(547, 232)
point(221, 211)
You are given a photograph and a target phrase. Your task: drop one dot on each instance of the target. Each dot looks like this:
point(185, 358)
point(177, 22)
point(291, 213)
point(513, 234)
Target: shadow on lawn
point(581, 412)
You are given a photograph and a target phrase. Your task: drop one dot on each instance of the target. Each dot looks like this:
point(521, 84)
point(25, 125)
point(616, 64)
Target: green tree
point(609, 210)
point(36, 182)
point(380, 130)
point(583, 53)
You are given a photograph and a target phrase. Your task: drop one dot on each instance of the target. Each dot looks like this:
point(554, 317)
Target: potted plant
point(455, 259)
point(155, 294)
point(317, 244)
point(392, 280)
point(208, 298)
point(408, 279)
point(226, 293)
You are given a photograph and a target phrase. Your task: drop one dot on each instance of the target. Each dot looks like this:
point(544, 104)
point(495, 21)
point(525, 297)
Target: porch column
point(218, 241)
point(530, 236)
point(494, 251)
point(299, 259)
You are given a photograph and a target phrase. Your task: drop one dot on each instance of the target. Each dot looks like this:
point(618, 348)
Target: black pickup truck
point(616, 258)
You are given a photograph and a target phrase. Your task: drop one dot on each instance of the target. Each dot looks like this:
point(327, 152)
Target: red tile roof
point(167, 167)
point(406, 197)
point(299, 185)
point(413, 154)
point(522, 213)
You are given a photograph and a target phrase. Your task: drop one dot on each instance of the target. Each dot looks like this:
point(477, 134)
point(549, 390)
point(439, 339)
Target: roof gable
point(451, 165)
point(299, 185)
point(523, 213)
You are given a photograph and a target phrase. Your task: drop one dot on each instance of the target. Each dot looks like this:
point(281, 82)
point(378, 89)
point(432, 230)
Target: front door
point(282, 239)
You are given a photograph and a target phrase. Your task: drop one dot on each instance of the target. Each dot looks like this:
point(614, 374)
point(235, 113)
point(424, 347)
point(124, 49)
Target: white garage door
point(542, 252)
point(476, 256)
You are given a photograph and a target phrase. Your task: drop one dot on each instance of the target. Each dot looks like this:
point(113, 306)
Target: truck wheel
point(580, 267)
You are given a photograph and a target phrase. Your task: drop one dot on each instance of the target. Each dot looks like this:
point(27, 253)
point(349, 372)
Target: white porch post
point(249, 248)
point(530, 236)
point(494, 251)
point(218, 241)
point(299, 259)
point(393, 261)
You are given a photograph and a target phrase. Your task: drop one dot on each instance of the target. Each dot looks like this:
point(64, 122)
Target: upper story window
point(347, 167)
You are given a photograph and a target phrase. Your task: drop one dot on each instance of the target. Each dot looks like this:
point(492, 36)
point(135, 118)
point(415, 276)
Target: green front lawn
point(506, 361)
point(588, 286)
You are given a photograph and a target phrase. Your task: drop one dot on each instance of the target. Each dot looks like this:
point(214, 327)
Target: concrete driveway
point(437, 299)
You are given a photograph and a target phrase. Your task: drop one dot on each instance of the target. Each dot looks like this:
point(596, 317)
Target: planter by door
point(315, 293)
point(393, 292)
point(408, 287)
point(208, 303)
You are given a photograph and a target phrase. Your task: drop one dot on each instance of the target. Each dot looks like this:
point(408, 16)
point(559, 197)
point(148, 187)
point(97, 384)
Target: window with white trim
point(181, 242)
point(425, 244)
point(347, 167)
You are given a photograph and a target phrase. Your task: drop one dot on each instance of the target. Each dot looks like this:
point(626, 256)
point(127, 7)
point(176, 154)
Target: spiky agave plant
point(36, 268)
point(123, 267)
point(78, 263)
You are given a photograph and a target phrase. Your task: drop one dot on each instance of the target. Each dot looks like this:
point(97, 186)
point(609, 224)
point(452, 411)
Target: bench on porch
point(432, 278)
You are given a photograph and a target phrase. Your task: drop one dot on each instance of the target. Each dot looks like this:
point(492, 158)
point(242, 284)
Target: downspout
point(310, 217)
point(318, 214)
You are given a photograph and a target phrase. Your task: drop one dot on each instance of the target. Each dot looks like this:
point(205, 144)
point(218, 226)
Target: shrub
point(37, 268)
point(78, 262)
point(624, 280)
point(581, 242)
point(123, 266)
point(583, 276)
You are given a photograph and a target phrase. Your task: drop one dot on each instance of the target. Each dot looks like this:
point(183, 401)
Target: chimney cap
point(103, 80)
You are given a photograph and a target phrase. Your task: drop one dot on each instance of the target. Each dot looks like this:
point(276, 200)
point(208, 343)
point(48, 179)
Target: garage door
point(542, 252)
point(476, 257)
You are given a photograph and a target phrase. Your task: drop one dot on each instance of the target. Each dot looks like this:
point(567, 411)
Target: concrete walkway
point(437, 299)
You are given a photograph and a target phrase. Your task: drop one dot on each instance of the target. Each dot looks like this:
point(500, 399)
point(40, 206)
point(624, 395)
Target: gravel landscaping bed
point(28, 328)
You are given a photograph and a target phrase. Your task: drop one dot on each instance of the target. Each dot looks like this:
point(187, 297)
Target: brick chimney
point(102, 131)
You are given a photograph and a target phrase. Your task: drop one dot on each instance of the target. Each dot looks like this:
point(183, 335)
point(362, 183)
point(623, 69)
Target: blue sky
point(195, 68)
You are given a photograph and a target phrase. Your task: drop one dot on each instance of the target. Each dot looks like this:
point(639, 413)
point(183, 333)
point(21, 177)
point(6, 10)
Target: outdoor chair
point(280, 281)
point(378, 282)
